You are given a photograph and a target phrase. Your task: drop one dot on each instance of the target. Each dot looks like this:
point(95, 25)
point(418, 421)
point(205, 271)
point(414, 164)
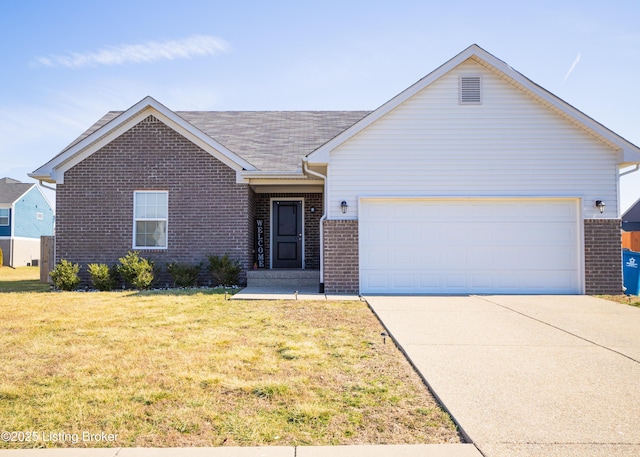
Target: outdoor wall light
point(313, 209)
point(344, 206)
point(600, 205)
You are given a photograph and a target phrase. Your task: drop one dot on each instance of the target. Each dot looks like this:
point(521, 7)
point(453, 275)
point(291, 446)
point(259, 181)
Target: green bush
point(136, 271)
point(224, 270)
point(183, 274)
point(65, 275)
point(101, 276)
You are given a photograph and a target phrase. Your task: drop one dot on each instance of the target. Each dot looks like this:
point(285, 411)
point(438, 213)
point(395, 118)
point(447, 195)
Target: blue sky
point(67, 63)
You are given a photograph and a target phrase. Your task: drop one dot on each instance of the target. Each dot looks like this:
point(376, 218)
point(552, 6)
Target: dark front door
point(287, 234)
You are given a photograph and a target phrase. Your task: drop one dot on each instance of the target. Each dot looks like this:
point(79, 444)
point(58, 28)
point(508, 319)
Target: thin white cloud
point(573, 66)
point(152, 51)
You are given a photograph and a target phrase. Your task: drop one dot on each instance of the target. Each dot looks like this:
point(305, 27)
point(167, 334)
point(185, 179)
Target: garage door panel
point(404, 281)
point(376, 233)
point(469, 246)
point(376, 259)
point(453, 258)
point(429, 281)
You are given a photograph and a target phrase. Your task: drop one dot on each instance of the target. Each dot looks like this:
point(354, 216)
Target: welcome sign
point(260, 243)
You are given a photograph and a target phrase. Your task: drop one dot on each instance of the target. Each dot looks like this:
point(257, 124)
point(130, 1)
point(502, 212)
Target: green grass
point(189, 368)
point(21, 279)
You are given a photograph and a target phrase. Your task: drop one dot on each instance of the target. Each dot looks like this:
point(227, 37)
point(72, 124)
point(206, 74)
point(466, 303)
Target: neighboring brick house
point(25, 216)
point(473, 180)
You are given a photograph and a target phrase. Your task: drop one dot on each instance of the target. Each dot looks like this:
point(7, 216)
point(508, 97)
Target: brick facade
point(209, 213)
point(311, 224)
point(341, 258)
point(602, 256)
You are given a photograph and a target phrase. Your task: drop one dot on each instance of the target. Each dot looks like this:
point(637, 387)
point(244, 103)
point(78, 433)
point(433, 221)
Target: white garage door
point(461, 246)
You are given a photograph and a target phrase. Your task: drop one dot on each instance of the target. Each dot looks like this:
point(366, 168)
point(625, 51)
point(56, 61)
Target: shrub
point(183, 274)
point(65, 275)
point(224, 270)
point(101, 276)
point(136, 270)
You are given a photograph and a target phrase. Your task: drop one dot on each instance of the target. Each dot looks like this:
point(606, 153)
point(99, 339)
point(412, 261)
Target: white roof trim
point(53, 171)
point(628, 153)
point(274, 174)
point(270, 177)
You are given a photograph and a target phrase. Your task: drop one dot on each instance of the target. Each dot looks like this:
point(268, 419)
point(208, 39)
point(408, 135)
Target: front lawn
point(190, 368)
point(22, 279)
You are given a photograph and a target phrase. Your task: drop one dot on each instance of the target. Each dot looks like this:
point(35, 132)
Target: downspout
point(12, 222)
point(322, 219)
point(46, 187)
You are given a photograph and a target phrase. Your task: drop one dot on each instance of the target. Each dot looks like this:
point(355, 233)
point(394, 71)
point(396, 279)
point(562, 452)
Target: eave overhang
point(292, 178)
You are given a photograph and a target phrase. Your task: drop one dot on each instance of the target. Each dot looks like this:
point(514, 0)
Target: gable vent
point(470, 90)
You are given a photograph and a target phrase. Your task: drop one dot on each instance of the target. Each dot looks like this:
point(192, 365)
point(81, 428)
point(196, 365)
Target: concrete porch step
point(290, 279)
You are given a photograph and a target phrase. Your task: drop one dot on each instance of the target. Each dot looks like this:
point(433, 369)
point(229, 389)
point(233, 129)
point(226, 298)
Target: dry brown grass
point(191, 369)
point(632, 300)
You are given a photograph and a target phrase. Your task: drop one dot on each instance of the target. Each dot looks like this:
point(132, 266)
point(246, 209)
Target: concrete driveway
point(528, 375)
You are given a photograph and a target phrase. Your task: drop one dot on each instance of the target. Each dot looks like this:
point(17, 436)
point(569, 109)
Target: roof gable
point(265, 141)
point(632, 215)
point(115, 124)
point(628, 153)
point(11, 190)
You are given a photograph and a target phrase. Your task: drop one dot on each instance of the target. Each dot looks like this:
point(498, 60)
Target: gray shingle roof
point(269, 140)
point(631, 218)
point(11, 190)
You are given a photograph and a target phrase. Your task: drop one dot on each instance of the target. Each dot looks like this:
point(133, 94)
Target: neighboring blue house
point(25, 216)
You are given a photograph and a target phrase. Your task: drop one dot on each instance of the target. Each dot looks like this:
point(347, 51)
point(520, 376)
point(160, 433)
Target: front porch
point(286, 240)
point(286, 285)
point(289, 281)
point(302, 244)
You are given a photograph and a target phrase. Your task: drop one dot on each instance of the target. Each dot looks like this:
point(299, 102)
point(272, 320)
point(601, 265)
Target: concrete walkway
point(279, 293)
point(413, 450)
point(528, 375)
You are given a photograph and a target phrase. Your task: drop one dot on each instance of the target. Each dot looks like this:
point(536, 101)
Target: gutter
point(45, 186)
point(322, 219)
point(633, 170)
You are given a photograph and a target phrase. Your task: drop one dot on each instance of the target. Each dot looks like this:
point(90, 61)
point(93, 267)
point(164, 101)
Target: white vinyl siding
point(510, 145)
point(150, 219)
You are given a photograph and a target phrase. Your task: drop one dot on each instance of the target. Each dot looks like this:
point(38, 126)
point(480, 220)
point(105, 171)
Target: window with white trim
point(4, 216)
point(150, 216)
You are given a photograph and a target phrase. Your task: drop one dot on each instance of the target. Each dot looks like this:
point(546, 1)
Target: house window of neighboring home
point(150, 210)
point(4, 216)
